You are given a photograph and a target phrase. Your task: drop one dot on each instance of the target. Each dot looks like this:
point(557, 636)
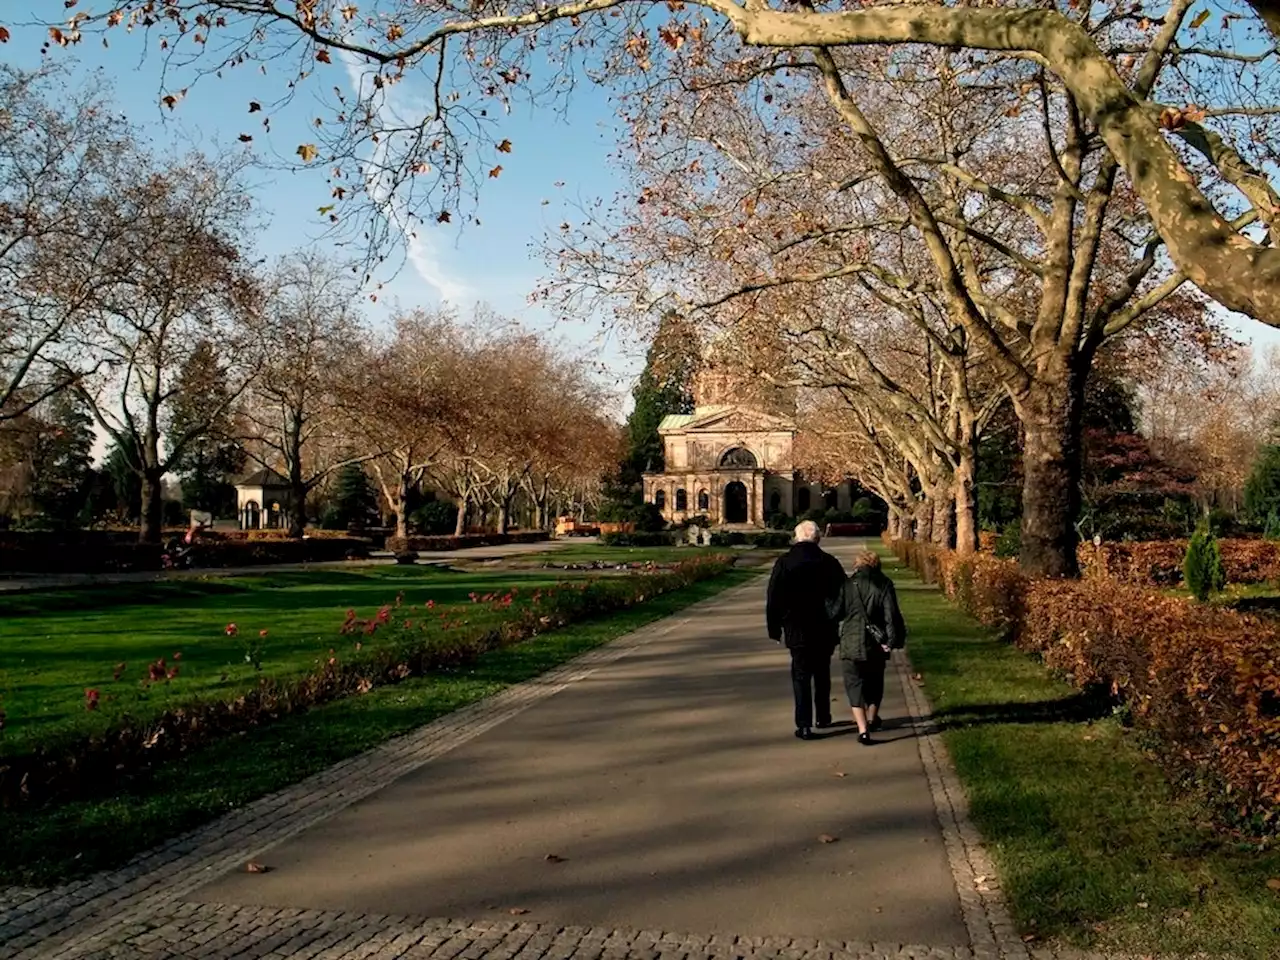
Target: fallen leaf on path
point(841, 773)
point(555, 858)
point(517, 911)
point(254, 867)
point(1273, 884)
point(1028, 937)
point(827, 838)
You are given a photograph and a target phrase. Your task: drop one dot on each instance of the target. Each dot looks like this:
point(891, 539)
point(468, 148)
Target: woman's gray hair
point(868, 560)
point(807, 532)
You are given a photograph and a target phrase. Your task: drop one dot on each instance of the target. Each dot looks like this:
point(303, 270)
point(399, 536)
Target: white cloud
point(419, 250)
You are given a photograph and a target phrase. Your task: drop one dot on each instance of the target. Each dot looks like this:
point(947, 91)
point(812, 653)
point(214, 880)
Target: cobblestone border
point(58, 921)
point(208, 931)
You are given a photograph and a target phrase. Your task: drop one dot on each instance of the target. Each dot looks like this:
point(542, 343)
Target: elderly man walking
point(805, 582)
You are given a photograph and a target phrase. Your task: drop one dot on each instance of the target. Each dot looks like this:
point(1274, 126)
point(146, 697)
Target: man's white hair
point(807, 532)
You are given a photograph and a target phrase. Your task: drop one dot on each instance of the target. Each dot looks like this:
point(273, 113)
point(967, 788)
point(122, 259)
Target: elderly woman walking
point(871, 627)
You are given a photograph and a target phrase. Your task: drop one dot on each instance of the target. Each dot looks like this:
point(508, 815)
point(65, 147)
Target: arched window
point(775, 502)
point(738, 458)
point(660, 499)
point(803, 500)
point(682, 500)
point(704, 501)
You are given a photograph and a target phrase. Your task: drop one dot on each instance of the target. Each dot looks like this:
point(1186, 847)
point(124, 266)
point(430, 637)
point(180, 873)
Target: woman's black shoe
point(875, 724)
point(804, 733)
point(865, 739)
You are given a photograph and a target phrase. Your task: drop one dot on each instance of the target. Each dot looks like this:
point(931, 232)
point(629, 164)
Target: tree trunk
point(152, 507)
point(895, 524)
point(297, 483)
point(297, 502)
point(504, 515)
point(460, 525)
point(966, 498)
point(1051, 421)
point(940, 518)
point(401, 505)
point(923, 532)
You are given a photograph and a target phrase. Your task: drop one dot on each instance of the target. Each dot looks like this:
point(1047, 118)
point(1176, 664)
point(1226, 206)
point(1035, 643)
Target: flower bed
point(391, 645)
point(442, 543)
point(1203, 681)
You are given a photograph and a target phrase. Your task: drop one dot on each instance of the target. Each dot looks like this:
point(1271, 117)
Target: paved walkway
point(73, 580)
point(645, 801)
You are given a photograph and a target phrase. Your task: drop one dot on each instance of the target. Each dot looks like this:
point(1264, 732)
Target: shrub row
point(1158, 563)
point(431, 544)
point(1203, 681)
point(93, 554)
point(392, 645)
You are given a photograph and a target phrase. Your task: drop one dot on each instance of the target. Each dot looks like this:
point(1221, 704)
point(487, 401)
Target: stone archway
point(735, 502)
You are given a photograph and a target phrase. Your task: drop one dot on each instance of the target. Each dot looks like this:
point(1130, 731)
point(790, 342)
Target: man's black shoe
point(875, 724)
point(804, 733)
point(865, 739)
point(823, 724)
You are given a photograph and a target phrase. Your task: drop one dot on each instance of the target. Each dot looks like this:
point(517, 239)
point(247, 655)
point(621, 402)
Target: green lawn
point(51, 843)
point(55, 645)
point(1093, 845)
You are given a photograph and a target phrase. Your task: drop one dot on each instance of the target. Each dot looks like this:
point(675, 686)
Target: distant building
point(731, 459)
point(263, 501)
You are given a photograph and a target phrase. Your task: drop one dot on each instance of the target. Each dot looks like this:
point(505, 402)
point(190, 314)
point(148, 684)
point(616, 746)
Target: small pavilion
point(263, 501)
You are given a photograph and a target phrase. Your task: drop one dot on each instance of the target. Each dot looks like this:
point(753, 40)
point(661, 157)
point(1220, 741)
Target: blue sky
point(493, 263)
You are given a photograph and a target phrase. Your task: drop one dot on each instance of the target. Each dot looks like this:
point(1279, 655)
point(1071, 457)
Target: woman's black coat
point(880, 601)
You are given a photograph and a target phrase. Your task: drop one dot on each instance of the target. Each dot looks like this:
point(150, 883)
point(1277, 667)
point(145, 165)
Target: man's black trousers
point(811, 684)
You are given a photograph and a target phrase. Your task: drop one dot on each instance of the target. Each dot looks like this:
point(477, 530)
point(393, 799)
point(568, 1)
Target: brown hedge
point(1158, 563)
point(108, 552)
point(1204, 681)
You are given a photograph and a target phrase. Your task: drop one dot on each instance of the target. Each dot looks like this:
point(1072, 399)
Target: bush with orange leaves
point(1158, 563)
point(1204, 681)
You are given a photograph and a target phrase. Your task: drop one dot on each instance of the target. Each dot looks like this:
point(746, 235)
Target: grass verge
point(1094, 846)
point(53, 843)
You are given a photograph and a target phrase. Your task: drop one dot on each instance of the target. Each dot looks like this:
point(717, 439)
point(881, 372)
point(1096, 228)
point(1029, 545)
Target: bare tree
point(61, 152)
point(1193, 145)
point(294, 414)
point(401, 399)
point(174, 314)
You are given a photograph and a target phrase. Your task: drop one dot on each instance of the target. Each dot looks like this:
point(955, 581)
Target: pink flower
point(232, 629)
point(262, 634)
point(431, 604)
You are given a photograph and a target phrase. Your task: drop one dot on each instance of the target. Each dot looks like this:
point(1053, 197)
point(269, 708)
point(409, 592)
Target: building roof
point(266, 477)
point(674, 421)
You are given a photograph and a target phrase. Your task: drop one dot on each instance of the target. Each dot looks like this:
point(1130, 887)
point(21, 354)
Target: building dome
point(729, 375)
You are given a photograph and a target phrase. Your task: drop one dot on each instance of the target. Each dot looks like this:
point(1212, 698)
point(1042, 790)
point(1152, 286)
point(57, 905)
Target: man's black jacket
point(805, 579)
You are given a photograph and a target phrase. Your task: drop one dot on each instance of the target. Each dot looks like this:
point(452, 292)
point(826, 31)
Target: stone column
point(757, 511)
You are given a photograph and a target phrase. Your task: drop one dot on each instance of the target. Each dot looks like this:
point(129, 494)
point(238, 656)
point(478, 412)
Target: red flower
point(178, 655)
point(431, 604)
point(173, 671)
point(262, 634)
point(91, 699)
point(232, 629)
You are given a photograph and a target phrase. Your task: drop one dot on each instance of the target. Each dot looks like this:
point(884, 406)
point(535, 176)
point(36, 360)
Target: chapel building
point(730, 460)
